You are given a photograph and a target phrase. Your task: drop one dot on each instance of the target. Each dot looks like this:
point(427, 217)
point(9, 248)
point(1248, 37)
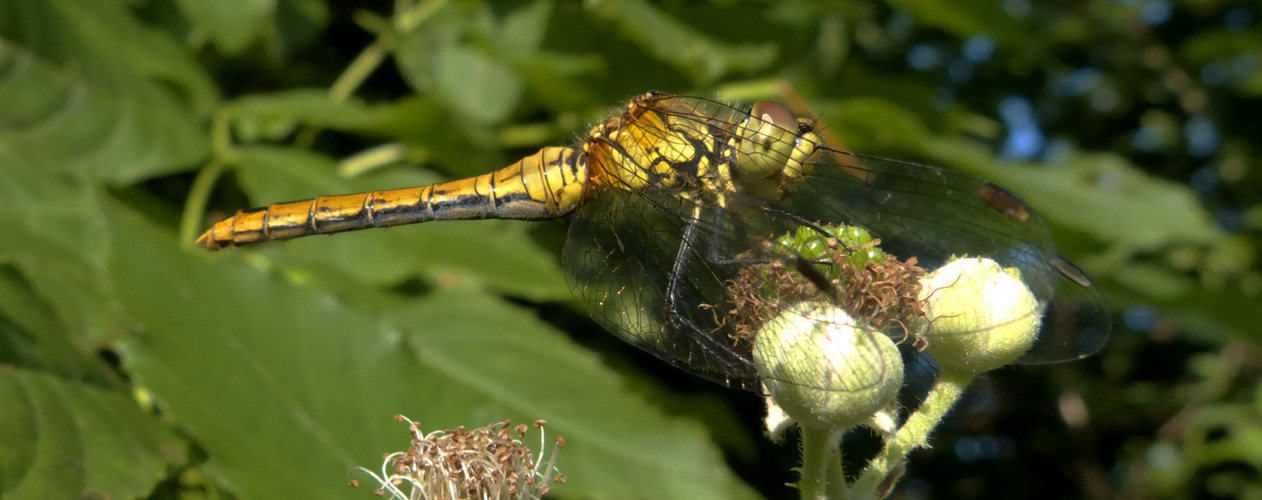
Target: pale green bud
point(823, 369)
point(980, 316)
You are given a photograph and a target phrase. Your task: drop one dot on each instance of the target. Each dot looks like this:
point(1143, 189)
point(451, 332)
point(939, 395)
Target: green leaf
point(273, 116)
point(1251, 85)
point(679, 45)
point(872, 124)
point(524, 29)
point(280, 385)
point(53, 233)
point(965, 19)
point(231, 24)
point(299, 22)
point(64, 439)
point(33, 338)
point(70, 428)
point(477, 85)
point(471, 79)
point(614, 445)
point(1220, 45)
point(1214, 315)
point(103, 42)
point(65, 112)
point(1099, 194)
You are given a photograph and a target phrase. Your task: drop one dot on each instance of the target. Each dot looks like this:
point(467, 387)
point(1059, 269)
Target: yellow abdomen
point(545, 185)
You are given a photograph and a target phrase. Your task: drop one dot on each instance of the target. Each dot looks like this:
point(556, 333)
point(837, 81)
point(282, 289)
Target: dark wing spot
point(1004, 202)
point(1071, 271)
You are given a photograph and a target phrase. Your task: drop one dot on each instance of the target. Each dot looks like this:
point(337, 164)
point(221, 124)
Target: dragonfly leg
point(680, 267)
point(714, 352)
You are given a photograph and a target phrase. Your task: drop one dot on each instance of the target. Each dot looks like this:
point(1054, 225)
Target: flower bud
point(823, 369)
point(980, 316)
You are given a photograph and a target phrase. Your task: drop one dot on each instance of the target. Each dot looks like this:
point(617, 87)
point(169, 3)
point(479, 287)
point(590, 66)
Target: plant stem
point(821, 462)
point(913, 434)
point(223, 154)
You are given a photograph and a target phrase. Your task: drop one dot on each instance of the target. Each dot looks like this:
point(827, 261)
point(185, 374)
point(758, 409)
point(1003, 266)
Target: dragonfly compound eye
point(766, 139)
point(773, 155)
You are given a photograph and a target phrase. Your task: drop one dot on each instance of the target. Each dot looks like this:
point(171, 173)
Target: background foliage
point(137, 366)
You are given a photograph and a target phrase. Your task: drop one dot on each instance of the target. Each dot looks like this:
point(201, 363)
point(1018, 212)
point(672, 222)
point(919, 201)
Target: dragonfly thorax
point(663, 142)
point(657, 144)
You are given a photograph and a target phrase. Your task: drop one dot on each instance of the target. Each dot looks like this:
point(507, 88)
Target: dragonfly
point(673, 200)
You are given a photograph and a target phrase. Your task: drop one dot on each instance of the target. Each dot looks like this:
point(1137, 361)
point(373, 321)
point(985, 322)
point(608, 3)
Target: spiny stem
point(821, 463)
point(913, 434)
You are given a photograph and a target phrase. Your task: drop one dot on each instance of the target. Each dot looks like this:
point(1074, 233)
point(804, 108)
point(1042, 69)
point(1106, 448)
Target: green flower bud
point(823, 369)
point(980, 316)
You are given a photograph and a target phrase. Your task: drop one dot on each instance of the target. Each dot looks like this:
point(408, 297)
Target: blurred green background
point(133, 365)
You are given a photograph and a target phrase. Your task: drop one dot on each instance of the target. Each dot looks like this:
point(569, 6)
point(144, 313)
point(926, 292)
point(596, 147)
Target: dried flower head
point(484, 463)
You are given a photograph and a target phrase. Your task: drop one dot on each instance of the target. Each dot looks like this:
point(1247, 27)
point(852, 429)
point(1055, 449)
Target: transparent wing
point(656, 265)
point(627, 261)
point(934, 214)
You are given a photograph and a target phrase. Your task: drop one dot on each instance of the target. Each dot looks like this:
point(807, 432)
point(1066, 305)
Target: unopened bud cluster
point(823, 367)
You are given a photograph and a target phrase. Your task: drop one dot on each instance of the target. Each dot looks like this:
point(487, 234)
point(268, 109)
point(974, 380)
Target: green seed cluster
point(852, 244)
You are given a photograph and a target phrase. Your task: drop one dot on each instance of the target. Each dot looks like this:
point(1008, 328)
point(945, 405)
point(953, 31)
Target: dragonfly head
point(774, 151)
